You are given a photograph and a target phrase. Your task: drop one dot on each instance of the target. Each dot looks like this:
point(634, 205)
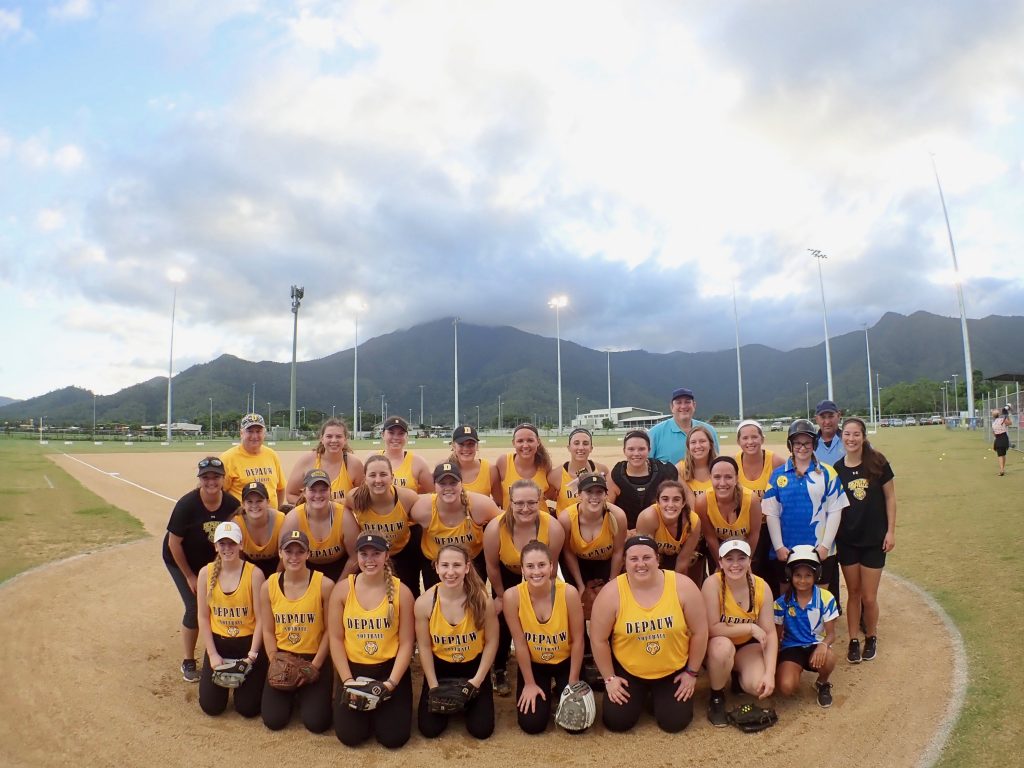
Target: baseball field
point(92, 623)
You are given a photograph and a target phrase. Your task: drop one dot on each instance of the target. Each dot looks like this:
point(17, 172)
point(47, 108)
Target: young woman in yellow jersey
point(372, 634)
point(332, 455)
point(411, 471)
point(695, 469)
point(594, 533)
point(379, 506)
point(229, 624)
point(741, 625)
point(729, 510)
point(261, 528)
point(321, 520)
point(649, 633)
point(504, 537)
point(528, 461)
point(457, 636)
point(673, 525)
point(293, 605)
point(478, 475)
point(756, 464)
point(563, 480)
point(452, 516)
point(545, 617)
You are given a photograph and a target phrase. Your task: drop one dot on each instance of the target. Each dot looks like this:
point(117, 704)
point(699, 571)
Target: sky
point(477, 158)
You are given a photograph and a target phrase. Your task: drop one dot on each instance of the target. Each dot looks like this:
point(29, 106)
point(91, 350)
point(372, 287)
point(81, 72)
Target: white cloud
point(35, 153)
point(50, 219)
point(68, 158)
point(10, 22)
point(72, 10)
point(5, 145)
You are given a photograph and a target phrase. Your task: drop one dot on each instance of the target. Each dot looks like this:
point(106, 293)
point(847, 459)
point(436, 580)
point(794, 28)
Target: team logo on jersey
point(859, 488)
point(370, 647)
point(547, 656)
point(782, 482)
point(792, 611)
point(294, 637)
point(210, 528)
point(232, 631)
point(458, 657)
point(653, 648)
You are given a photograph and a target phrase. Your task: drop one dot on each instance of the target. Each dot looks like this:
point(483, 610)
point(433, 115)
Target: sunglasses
point(213, 462)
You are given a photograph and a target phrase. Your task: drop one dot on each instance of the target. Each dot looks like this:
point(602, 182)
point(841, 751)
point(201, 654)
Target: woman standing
point(867, 533)
point(729, 510)
point(457, 636)
point(695, 469)
point(563, 480)
point(545, 618)
point(411, 471)
point(333, 455)
point(649, 632)
point(478, 476)
point(372, 635)
point(188, 546)
point(1001, 422)
point(529, 461)
point(229, 623)
point(379, 506)
point(635, 481)
point(504, 538)
point(320, 519)
point(293, 605)
point(261, 528)
point(756, 464)
point(673, 525)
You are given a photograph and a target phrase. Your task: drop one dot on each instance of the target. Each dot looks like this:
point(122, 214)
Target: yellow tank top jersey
point(369, 637)
point(651, 642)
point(403, 475)
point(241, 467)
point(668, 544)
point(699, 487)
point(329, 549)
point(298, 624)
point(482, 482)
point(340, 485)
point(549, 641)
point(733, 614)
point(757, 484)
point(393, 526)
point(602, 545)
point(568, 496)
point(233, 615)
point(454, 642)
point(741, 527)
point(507, 552)
point(466, 532)
point(539, 477)
point(268, 551)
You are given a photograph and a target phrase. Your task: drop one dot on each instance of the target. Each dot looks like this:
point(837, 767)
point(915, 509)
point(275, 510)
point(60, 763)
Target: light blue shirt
point(668, 441)
point(830, 454)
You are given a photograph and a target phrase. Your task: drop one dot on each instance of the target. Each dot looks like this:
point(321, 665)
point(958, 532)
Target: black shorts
point(798, 654)
point(1001, 444)
point(868, 557)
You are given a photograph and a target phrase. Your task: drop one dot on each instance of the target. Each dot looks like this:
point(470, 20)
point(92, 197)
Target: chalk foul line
point(117, 476)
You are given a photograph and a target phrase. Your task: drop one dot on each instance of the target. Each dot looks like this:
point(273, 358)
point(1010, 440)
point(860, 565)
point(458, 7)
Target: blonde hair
point(712, 453)
point(361, 495)
point(752, 610)
point(508, 519)
point(472, 585)
point(215, 568)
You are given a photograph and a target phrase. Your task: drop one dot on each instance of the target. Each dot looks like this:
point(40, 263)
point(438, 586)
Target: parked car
point(775, 427)
point(910, 421)
point(935, 420)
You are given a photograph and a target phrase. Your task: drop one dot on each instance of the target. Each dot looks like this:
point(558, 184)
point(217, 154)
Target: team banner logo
point(782, 482)
point(653, 648)
point(370, 647)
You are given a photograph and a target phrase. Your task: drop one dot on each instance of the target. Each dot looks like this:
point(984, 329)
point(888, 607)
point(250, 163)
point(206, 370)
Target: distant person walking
point(1001, 423)
point(668, 438)
point(829, 449)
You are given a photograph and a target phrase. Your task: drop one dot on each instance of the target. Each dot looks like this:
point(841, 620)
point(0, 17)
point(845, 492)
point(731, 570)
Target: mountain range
point(520, 368)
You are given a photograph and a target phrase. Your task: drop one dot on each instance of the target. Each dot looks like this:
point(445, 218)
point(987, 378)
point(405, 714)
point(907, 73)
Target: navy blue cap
point(825, 406)
point(683, 392)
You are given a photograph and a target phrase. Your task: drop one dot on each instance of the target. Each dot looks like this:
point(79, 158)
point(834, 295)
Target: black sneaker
point(853, 653)
point(870, 648)
point(189, 672)
point(824, 694)
point(716, 711)
point(499, 679)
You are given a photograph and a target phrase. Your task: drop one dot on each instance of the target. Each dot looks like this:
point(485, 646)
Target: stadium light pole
point(478, 419)
point(356, 305)
point(421, 405)
point(93, 415)
point(455, 323)
point(334, 411)
point(499, 413)
point(871, 391)
point(269, 417)
point(175, 275)
point(558, 303)
point(807, 395)
point(739, 365)
point(956, 397)
point(211, 416)
point(824, 313)
point(297, 293)
point(609, 385)
point(878, 391)
point(968, 366)
point(945, 398)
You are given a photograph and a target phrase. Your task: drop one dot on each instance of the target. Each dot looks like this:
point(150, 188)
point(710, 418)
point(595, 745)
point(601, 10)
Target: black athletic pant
point(390, 722)
point(213, 699)
point(479, 713)
point(672, 716)
point(509, 580)
point(407, 562)
point(552, 679)
point(313, 699)
point(590, 570)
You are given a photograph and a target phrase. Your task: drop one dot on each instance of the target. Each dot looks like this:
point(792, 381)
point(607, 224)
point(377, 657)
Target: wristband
point(691, 673)
point(610, 680)
point(392, 683)
point(252, 655)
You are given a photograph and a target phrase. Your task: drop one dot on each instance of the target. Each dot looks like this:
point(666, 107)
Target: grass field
point(959, 536)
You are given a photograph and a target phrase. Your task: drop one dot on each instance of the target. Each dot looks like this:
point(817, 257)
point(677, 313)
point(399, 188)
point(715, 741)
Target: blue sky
point(477, 158)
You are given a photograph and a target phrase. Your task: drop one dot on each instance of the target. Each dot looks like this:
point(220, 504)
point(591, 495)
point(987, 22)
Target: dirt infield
point(97, 682)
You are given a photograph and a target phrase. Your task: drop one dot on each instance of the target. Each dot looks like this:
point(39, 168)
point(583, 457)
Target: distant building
point(181, 427)
point(629, 417)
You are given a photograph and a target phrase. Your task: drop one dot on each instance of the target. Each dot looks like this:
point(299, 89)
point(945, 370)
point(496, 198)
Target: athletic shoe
point(189, 672)
point(870, 648)
point(824, 694)
point(853, 653)
point(499, 679)
point(716, 711)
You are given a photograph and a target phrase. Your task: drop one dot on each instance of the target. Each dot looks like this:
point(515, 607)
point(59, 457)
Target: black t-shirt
point(196, 525)
point(864, 522)
point(638, 493)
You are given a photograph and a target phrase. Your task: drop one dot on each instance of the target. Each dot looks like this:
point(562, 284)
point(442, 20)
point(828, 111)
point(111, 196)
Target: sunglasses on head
point(217, 463)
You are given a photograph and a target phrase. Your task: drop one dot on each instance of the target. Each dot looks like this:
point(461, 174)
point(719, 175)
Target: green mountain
point(520, 368)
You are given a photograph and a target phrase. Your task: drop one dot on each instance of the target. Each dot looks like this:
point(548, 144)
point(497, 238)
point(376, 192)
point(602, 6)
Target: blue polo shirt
point(803, 502)
point(830, 454)
point(668, 441)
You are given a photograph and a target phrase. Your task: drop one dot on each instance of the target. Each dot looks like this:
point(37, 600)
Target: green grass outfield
point(959, 536)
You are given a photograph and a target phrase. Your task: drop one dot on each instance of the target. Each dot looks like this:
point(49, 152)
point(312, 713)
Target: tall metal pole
point(968, 366)
point(871, 390)
point(824, 313)
point(557, 303)
point(807, 395)
point(421, 406)
point(956, 397)
point(93, 415)
point(945, 398)
point(170, 364)
point(455, 323)
point(739, 365)
point(878, 391)
point(609, 385)
point(357, 412)
point(297, 293)
point(478, 419)
point(211, 417)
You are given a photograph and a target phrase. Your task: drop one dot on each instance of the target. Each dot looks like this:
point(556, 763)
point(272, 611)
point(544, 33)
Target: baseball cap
point(825, 406)
point(374, 540)
point(463, 433)
point(255, 487)
point(295, 537)
point(315, 476)
point(641, 540)
point(734, 545)
point(447, 470)
point(210, 464)
point(682, 392)
point(592, 480)
point(253, 420)
point(228, 530)
point(396, 421)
